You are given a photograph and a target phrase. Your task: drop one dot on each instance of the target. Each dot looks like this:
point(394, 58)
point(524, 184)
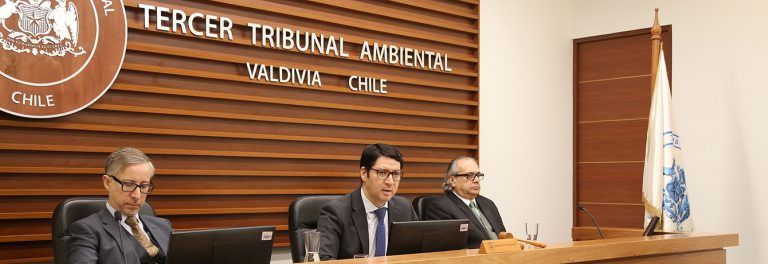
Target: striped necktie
point(483, 220)
point(143, 240)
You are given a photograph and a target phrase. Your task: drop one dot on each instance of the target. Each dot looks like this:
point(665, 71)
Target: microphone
point(118, 219)
point(593, 220)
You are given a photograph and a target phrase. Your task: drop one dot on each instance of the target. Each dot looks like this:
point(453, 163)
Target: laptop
point(222, 246)
point(427, 236)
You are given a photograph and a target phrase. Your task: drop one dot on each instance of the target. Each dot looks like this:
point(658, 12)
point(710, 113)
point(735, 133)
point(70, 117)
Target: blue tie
point(381, 234)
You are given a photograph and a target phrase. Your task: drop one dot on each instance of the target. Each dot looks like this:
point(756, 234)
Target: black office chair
point(71, 210)
point(302, 216)
point(420, 204)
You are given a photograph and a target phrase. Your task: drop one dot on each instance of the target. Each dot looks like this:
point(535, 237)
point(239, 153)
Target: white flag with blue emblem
point(665, 191)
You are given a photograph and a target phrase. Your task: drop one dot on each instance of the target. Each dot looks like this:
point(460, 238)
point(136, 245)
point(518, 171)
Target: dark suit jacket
point(95, 239)
point(343, 224)
point(450, 206)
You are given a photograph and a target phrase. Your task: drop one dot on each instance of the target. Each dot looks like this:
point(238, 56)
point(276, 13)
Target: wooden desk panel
point(670, 248)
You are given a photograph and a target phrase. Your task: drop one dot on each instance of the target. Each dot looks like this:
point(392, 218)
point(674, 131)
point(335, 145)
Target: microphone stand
point(118, 219)
point(593, 220)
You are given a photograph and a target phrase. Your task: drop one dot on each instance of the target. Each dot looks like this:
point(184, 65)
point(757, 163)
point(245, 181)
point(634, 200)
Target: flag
point(665, 192)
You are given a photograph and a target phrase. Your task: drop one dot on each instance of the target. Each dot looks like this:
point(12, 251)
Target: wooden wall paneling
point(625, 55)
point(375, 17)
point(149, 100)
point(180, 125)
point(454, 121)
point(620, 58)
point(409, 14)
point(26, 251)
point(253, 91)
point(627, 215)
point(138, 81)
point(461, 64)
point(182, 183)
point(243, 12)
point(25, 227)
point(288, 120)
point(614, 100)
point(611, 104)
point(348, 21)
point(212, 143)
point(231, 151)
point(610, 182)
point(240, 54)
point(198, 164)
point(232, 69)
point(465, 9)
point(461, 59)
point(332, 86)
point(612, 141)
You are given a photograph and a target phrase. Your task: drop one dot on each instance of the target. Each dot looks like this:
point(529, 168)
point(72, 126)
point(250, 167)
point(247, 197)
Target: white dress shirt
point(373, 222)
point(462, 199)
point(126, 226)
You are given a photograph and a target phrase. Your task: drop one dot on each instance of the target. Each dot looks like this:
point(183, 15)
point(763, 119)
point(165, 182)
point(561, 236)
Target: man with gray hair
point(97, 238)
point(462, 200)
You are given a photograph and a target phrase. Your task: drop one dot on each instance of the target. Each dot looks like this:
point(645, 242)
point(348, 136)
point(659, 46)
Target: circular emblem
point(58, 56)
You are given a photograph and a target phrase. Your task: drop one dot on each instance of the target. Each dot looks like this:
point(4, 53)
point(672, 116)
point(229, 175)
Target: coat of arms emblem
point(58, 56)
point(41, 27)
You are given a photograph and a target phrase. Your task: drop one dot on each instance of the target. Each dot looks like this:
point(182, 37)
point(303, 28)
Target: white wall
point(526, 117)
point(720, 65)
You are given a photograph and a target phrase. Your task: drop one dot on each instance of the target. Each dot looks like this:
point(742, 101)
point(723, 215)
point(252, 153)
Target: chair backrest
point(71, 210)
point(420, 204)
point(302, 216)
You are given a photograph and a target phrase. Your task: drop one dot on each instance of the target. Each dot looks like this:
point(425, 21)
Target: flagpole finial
point(656, 29)
point(655, 46)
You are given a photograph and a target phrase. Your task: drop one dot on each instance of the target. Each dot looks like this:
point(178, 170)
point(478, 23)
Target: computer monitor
point(220, 246)
point(427, 236)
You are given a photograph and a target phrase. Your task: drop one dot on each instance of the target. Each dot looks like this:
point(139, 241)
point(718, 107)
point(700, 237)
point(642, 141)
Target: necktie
point(483, 220)
point(381, 234)
point(143, 240)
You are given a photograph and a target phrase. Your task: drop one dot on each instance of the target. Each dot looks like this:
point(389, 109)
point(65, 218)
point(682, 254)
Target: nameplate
point(499, 246)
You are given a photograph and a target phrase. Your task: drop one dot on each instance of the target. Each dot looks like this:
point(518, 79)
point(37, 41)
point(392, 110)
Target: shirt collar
point(462, 198)
point(369, 207)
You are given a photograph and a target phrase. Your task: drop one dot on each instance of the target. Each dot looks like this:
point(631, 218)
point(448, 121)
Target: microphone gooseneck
point(118, 219)
point(593, 220)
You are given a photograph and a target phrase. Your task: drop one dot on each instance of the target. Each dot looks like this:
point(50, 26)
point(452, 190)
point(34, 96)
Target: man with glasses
point(358, 223)
point(100, 238)
point(462, 200)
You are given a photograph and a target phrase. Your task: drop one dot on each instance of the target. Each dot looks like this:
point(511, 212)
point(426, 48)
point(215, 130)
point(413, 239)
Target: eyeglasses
point(128, 186)
point(384, 174)
point(472, 175)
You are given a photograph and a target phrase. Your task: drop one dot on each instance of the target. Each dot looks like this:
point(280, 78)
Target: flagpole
point(655, 47)
point(655, 51)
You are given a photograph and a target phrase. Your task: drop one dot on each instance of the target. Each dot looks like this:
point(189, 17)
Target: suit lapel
point(391, 213)
point(161, 238)
point(360, 219)
point(112, 228)
point(470, 215)
point(485, 208)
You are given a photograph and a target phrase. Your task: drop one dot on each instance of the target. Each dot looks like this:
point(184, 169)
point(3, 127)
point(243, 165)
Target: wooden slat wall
point(612, 99)
point(231, 151)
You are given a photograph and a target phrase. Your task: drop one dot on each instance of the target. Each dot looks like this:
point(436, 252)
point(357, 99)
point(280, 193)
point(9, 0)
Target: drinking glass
point(532, 230)
point(312, 246)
